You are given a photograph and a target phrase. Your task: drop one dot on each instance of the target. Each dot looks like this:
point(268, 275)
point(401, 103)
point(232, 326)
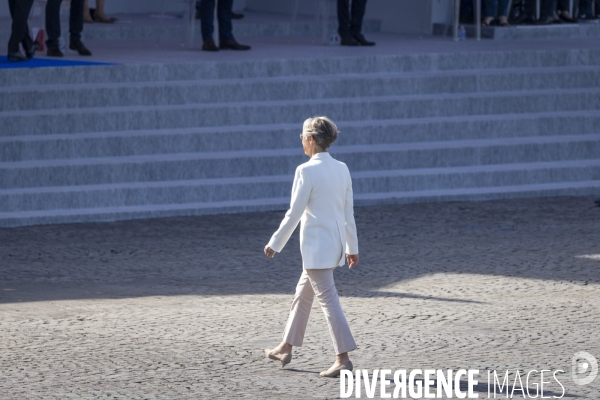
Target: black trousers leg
point(53, 22)
point(343, 13)
point(207, 17)
point(358, 12)
point(548, 8)
point(76, 20)
point(585, 7)
point(562, 5)
point(224, 17)
point(19, 10)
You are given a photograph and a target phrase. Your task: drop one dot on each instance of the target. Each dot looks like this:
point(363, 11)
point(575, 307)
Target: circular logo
point(584, 368)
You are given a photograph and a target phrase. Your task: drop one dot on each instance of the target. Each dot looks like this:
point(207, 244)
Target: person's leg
point(488, 11)
point(76, 21)
point(503, 12)
point(87, 17)
point(503, 7)
point(207, 16)
point(547, 8)
point(27, 41)
point(100, 13)
point(343, 13)
point(295, 327)
point(53, 22)
point(530, 8)
point(19, 12)
point(585, 7)
point(326, 293)
point(562, 5)
point(13, 44)
point(224, 19)
point(358, 13)
point(100, 7)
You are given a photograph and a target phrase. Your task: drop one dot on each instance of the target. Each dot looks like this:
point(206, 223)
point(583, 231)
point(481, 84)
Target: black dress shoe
point(54, 51)
point(567, 20)
point(363, 42)
point(209, 45)
point(236, 16)
point(349, 41)
point(80, 48)
point(231, 44)
point(30, 52)
point(16, 57)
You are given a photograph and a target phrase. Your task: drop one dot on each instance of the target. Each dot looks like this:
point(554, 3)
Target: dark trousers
point(350, 23)
point(546, 8)
point(207, 19)
point(493, 8)
point(562, 5)
point(19, 11)
point(53, 21)
point(585, 7)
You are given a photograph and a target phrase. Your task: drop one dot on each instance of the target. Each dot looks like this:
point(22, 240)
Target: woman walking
point(322, 202)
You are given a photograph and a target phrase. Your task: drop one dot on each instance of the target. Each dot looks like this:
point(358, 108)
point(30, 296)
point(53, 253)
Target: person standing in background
point(19, 11)
point(75, 28)
point(207, 23)
point(350, 25)
point(586, 13)
point(96, 15)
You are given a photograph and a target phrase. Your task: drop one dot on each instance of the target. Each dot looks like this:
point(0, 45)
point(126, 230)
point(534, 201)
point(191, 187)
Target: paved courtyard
point(181, 308)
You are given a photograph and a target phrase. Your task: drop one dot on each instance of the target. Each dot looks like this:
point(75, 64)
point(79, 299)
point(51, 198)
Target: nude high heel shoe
point(335, 372)
point(284, 358)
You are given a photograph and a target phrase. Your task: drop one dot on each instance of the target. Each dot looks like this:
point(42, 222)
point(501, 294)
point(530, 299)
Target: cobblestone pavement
point(181, 308)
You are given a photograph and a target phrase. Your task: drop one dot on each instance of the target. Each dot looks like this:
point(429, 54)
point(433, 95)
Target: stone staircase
point(189, 139)
point(140, 27)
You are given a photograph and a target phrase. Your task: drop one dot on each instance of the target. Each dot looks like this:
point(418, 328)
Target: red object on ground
point(41, 39)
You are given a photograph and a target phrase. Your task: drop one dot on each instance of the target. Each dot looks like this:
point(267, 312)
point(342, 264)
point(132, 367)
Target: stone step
point(473, 61)
point(66, 215)
point(186, 166)
point(278, 186)
point(150, 27)
point(292, 88)
point(526, 32)
point(82, 120)
point(283, 136)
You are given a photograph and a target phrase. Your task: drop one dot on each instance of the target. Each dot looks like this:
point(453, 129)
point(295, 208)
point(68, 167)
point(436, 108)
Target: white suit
point(322, 201)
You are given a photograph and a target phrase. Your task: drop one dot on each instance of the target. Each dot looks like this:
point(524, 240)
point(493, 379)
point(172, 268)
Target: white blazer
point(322, 202)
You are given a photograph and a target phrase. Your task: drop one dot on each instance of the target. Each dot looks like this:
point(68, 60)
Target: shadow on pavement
point(543, 238)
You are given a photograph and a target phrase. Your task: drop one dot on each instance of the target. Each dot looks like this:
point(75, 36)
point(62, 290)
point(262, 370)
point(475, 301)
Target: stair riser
point(63, 121)
point(282, 205)
point(291, 67)
point(360, 160)
point(117, 197)
point(368, 86)
point(284, 137)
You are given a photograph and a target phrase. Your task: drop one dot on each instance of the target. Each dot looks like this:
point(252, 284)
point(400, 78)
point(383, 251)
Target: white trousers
point(319, 283)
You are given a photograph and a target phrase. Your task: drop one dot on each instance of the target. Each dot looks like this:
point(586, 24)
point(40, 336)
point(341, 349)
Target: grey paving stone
point(181, 308)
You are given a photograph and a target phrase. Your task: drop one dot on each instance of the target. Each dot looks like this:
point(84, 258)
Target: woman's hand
point(352, 260)
point(269, 252)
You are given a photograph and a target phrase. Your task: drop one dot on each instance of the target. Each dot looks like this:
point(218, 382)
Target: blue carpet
point(45, 62)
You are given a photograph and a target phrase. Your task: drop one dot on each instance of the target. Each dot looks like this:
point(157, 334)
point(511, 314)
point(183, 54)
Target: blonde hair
point(322, 130)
